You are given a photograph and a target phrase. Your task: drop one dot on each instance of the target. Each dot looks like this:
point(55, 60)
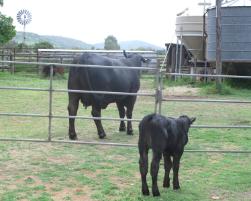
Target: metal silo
point(236, 34)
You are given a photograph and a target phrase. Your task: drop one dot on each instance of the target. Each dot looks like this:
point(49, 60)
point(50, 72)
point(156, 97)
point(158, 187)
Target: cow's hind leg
point(154, 172)
point(96, 112)
point(72, 110)
point(168, 167)
point(121, 109)
point(129, 110)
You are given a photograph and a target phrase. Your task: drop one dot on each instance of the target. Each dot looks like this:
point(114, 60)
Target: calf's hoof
point(145, 192)
point(176, 187)
point(166, 184)
point(101, 135)
point(156, 193)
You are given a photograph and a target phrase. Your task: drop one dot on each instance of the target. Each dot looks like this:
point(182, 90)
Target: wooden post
point(218, 45)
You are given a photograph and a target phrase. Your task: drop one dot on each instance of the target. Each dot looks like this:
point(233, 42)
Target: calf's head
point(185, 123)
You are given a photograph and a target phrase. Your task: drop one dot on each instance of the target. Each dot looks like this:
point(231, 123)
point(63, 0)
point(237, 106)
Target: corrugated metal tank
point(236, 34)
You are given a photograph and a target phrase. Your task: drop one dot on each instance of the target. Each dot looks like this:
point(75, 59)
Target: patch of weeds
point(211, 89)
point(67, 198)
point(83, 180)
point(39, 188)
point(47, 176)
point(29, 180)
point(43, 197)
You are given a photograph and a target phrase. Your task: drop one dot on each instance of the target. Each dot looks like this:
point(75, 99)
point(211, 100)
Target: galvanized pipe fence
point(157, 95)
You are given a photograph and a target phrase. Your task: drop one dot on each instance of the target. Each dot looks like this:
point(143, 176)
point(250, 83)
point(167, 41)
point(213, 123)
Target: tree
point(43, 45)
point(111, 43)
point(7, 30)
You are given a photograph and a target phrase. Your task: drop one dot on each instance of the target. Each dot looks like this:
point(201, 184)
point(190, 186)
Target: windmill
point(24, 17)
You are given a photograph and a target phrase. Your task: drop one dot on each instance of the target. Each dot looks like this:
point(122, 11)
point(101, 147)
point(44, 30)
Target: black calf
point(167, 136)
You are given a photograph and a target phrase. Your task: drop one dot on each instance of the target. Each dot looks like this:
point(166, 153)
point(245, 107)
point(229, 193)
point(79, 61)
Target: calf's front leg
point(176, 165)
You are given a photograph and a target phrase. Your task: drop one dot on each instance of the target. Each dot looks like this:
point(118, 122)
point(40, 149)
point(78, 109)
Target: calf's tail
point(156, 122)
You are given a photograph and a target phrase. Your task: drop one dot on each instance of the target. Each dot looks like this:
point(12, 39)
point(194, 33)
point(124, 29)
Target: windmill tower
point(24, 17)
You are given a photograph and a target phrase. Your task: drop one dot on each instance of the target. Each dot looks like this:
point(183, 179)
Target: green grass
point(46, 171)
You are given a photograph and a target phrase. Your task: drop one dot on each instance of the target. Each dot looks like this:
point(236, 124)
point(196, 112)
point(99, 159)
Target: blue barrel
point(236, 34)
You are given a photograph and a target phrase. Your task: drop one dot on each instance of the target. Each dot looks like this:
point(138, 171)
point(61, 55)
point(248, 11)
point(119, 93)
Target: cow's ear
point(192, 119)
point(145, 60)
point(125, 54)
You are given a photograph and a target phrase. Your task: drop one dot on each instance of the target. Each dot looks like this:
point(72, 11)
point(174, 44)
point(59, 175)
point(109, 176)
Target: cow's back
point(102, 79)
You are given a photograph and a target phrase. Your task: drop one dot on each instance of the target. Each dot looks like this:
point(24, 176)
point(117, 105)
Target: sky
point(91, 21)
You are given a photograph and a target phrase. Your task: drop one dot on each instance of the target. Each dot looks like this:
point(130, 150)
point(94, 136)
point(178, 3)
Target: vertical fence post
point(158, 94)
point(218, 46)
point(157, 79)
point(160, 98)
point(50, 103)
point(181, 49)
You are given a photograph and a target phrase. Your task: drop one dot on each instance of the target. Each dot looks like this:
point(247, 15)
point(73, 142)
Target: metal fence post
point(160, 95)
point(50, 103)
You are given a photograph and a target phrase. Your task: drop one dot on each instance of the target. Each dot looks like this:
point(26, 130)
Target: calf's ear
point(192, 119)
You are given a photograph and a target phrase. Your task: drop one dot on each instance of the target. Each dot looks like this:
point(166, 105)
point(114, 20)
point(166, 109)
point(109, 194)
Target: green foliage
point(212, 89)
point(22, 46)
point(111, 43)
point(7, 30)
point(43, 45)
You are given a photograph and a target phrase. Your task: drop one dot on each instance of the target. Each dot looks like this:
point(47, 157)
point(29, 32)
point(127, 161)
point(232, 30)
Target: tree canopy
point(43, 45)
point(111, 43)
point(7, 30)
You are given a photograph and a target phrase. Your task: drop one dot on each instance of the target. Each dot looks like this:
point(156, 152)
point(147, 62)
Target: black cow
point(167, 136)
point(104, 79)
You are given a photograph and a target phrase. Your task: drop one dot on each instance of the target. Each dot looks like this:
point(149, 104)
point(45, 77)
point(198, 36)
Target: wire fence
point(157, 96)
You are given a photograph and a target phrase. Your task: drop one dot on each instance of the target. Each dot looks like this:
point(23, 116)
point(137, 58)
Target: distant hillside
point(57, 41)
point(132, 45)
point(69, 43)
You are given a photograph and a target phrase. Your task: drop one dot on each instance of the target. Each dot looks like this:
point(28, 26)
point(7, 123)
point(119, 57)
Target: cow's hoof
point(176, 187)
point(129, 132)
point(101, 135)
point(122, 128)
point(73, 137)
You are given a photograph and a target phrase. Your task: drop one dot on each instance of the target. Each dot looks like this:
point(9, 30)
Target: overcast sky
point(92, 21)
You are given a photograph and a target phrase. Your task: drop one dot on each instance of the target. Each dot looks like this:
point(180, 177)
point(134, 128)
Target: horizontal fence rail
point(110, 118)
point(98, 143)
point(80, 65)
point(205, 100)
point(78, 91)
point(208, 75)
point(157, 95)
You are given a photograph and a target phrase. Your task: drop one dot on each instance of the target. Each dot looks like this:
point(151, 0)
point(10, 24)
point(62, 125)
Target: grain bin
point(236, 34)
point(189, 29)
